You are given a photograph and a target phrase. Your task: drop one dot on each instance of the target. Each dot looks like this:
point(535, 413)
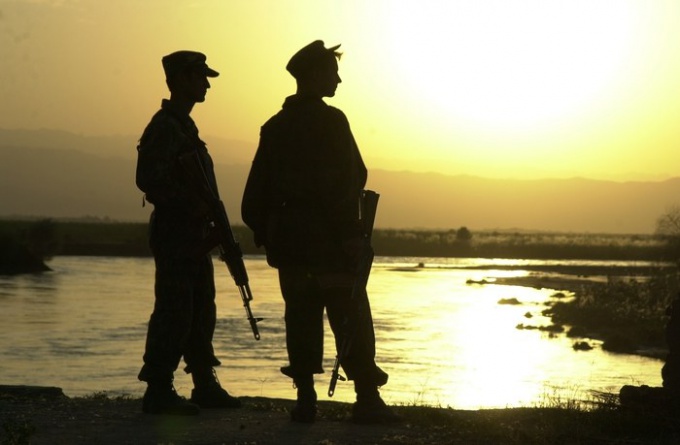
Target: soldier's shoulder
point(162, 123)
point(161, 130)
point(164, 119)
point(336, 112)
point(276, 121)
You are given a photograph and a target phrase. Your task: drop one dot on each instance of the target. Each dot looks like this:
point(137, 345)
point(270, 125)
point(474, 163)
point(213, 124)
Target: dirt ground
point(46, 416)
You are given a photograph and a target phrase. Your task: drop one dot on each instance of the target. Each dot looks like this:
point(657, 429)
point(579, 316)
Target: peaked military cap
point(309, 57)
point(180, 60)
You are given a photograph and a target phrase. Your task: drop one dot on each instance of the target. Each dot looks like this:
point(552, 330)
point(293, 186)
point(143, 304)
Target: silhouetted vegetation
point(25, 248)
point(508, 244)
point(628, 316)
point(668, 233)
point(87, 237)
point(40, 238)
point(130, 239)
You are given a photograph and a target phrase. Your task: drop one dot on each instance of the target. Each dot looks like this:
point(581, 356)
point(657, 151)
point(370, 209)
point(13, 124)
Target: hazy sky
point(505, 88)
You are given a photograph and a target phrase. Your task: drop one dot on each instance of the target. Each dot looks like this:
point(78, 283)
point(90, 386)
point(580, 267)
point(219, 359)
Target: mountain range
point(56, 174)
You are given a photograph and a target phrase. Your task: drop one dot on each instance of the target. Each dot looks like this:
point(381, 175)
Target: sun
point(515, 66)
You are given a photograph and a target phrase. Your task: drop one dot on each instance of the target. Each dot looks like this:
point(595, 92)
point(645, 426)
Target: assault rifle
point(230, 251)
point(368, 206)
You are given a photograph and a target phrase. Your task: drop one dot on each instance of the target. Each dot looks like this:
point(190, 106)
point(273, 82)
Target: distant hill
point(566, 205)
point(226, 151)
point(56, 180)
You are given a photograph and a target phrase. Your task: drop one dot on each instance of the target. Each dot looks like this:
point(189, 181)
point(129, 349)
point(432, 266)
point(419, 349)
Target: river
point(443, 341)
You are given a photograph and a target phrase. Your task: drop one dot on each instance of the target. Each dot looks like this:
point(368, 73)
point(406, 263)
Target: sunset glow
point(506, 67)
point(522, 89)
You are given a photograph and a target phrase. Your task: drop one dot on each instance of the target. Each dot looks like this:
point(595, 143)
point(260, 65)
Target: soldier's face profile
point(329, 78)
point(199, 85)
point(194, 86)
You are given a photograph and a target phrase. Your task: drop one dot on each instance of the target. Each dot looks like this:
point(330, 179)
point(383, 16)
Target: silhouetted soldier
point(301, 201)
point(184, 315)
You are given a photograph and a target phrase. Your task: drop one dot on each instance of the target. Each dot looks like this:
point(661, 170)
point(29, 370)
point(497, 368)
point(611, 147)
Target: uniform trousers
point(183, 319)
point(306, 295)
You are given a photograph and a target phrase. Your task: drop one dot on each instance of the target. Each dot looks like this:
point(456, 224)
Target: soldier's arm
point(159, 174)
point(345, 179)
point(255, 196)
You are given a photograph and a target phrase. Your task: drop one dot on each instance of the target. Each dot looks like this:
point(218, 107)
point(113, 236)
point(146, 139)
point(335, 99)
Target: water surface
point(82, 327)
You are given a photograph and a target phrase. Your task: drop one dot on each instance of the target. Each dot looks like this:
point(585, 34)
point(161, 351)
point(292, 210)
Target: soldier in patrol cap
point(180, 61)
point(184, 315)
point(301, 201)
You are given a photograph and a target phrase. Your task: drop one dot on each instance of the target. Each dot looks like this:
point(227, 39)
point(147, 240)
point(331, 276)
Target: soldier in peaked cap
point(180, 237)
point(311, 58)
point(301, 201)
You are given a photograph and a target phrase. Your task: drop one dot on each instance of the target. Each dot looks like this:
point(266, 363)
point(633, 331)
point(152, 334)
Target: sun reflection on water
point(456, 345)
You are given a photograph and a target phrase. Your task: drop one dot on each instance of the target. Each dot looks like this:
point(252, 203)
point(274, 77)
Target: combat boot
point(208, 393)
point(305, 408)
point(370, 407)
point(161, 398)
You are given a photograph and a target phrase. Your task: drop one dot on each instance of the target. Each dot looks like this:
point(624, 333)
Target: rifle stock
point(368, 207)
point(230, 251)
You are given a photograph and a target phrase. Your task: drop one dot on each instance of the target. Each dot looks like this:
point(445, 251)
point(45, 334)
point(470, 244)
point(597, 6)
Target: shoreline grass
point(604, 421)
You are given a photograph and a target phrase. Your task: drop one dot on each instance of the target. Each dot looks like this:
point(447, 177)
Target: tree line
point(47, 237)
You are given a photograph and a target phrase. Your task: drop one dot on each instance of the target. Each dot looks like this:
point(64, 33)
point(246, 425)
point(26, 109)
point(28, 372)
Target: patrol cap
point(181, 60)
point(309, 57)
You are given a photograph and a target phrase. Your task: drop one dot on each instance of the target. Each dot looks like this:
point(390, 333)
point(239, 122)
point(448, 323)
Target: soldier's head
point(186, 74)
point(315, 69)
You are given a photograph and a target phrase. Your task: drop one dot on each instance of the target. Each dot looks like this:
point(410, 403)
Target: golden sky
point(494, 88)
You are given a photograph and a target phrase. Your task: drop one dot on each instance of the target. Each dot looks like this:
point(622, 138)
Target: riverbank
point(46, 416)
point(624, 308)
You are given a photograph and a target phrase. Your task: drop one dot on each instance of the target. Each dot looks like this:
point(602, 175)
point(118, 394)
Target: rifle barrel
point(334, 378)
point(246, 297)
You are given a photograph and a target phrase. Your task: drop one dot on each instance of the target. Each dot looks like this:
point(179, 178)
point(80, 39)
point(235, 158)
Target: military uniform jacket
point(301, 197)
point(180, 218)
